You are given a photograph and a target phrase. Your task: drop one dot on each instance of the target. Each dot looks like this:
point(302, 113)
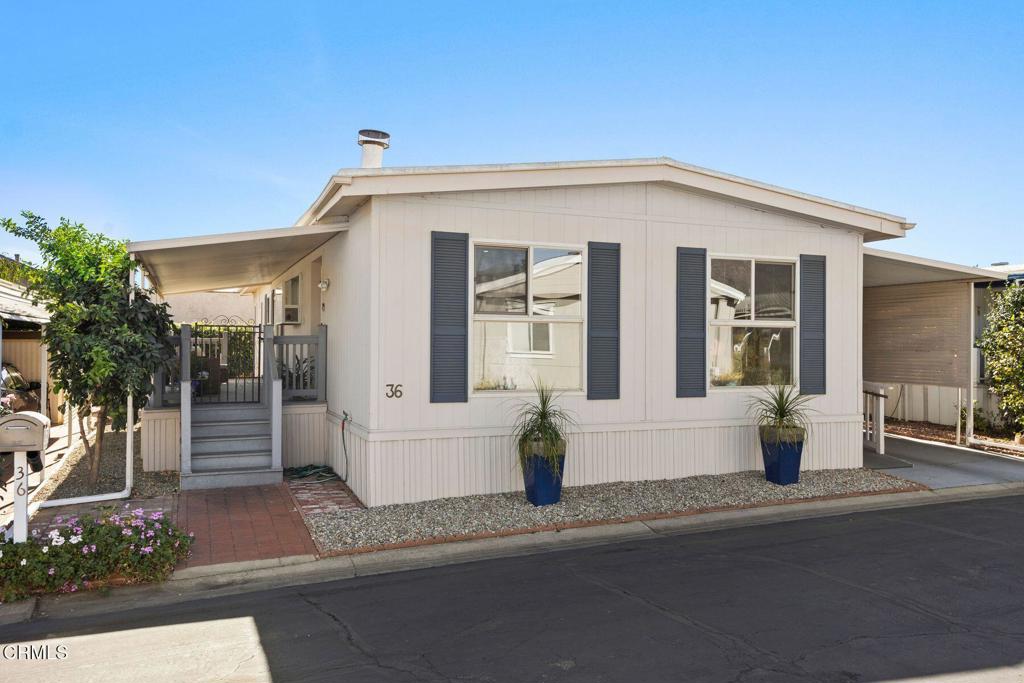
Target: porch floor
point(939, 466)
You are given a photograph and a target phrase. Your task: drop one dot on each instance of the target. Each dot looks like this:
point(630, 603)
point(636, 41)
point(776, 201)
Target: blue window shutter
point(449, 317)
point(691, 322)
point(812, 324)
point(603, 284)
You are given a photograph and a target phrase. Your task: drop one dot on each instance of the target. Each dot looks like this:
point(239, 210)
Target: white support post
point(44, 375)
point(129, 446)
point(186, 399)
point(275, 423)
point(879, 423)
point(20, 484)
point(959, 411)
point(973, 379)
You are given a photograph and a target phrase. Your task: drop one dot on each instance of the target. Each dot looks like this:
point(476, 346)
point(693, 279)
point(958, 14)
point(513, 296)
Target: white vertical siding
point(409, 449)
point(161, 440)
point(303, 426)
point(304, 434)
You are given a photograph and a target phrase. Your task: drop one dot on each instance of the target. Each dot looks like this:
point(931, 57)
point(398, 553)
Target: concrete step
point(233, 477)
point(229, 412)
point(231, 460)
point(225, 444)
point(256, 427)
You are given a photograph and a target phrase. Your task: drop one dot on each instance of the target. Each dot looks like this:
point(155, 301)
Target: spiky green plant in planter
point(539, 432)
point(781, 414)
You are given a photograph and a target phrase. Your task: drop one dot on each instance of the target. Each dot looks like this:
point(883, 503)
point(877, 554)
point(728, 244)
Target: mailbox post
point(21, 433)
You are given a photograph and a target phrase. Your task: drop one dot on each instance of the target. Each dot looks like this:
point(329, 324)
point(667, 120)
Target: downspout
point(129, 449)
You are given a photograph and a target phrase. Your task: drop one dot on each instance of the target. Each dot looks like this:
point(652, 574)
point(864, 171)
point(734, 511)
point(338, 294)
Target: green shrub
point(128, 546)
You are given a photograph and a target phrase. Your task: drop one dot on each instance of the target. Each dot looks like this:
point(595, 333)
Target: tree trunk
point(97, 447)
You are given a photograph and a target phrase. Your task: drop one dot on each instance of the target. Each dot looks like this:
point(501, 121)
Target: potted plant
point(539, 435)
point(781, 414)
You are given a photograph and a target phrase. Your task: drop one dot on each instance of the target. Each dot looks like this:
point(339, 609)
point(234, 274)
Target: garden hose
point(316, 474)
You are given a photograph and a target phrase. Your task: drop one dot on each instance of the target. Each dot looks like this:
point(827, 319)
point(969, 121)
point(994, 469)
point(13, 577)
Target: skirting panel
point(304, 435)
point(303, 440)
point(161, 440)
point(405, 471)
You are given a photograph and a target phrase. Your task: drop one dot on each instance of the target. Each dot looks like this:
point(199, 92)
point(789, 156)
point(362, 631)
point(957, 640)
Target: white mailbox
point(21, 433)
point(27, 431)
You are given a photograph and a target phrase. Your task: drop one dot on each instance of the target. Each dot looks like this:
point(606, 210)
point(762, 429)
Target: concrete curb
point(243, 577)
point(236, 567)
point(17, 612)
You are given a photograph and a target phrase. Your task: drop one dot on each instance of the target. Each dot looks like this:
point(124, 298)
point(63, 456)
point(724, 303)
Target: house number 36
point(393, 391)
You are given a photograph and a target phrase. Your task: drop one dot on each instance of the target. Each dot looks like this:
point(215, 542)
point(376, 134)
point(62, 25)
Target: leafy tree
point(101, 346)
point(1003, 346)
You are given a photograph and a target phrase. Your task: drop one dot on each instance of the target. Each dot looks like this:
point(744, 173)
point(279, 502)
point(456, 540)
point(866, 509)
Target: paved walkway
point(940, 466)
point(930, 593)
point(245, 523)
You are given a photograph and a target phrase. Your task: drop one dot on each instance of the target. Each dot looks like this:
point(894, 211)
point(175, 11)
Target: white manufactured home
point(409, 309)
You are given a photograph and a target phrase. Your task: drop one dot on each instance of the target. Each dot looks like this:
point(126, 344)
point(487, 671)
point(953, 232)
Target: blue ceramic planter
point(543, 487)
point(781, 460)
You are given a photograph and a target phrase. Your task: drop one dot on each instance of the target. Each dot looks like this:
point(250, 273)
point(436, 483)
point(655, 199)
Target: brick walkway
point(328, 496)
point(245, 523)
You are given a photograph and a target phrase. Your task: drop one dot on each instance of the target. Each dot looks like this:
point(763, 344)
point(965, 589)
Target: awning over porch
point(919, 320)
point(883, 268)
point(236, 259)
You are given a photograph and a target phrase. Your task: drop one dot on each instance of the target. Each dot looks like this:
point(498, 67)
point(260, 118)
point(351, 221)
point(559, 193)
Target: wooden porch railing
point(301, 364)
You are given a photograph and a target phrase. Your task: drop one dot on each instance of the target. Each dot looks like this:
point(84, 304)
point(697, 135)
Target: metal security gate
point(226, 363)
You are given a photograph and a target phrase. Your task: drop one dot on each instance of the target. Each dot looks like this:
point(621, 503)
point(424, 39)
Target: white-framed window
point(752, 322)
point(291, 296)
point(534, 339)
point(528, 318)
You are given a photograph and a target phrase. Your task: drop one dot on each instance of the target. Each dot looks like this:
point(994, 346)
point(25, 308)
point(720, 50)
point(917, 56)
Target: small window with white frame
point(752, 322)
point(527, 317)
point(291, 296)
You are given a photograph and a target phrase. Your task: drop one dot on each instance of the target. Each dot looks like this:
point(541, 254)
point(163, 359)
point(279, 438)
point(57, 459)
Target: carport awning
point(14, 305)
point(237, 259)
point(883, 268)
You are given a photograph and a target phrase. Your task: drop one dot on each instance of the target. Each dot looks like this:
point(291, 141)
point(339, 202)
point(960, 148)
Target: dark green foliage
point(781, 412)
point(101, 346)
point(1003, 346)
point(129, 546)
point(542, 422)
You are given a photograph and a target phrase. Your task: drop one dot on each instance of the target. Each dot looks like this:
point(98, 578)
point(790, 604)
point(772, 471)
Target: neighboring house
point(422, 303)
point(21, 347)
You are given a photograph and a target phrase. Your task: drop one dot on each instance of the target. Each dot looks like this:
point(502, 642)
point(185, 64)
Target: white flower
point(23, 562)
point(57, 540)
point(1, 553)
point(46, 549)
point(75, 539)
point(54, 533)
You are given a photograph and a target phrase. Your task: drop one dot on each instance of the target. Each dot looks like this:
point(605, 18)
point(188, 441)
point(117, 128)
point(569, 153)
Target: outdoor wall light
point(324, 284)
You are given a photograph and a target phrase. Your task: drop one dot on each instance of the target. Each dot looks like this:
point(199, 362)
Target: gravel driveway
point(391, 524)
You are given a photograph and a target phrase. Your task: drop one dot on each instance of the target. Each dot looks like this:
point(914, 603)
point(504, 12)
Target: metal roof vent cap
point(373, 142)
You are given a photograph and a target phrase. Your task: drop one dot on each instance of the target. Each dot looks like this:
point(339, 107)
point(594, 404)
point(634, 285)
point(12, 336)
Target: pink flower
point(51, 571)
point(126, 532)
point(147, 550)
point(93, 547)
point(138, 512)
point(85, 550)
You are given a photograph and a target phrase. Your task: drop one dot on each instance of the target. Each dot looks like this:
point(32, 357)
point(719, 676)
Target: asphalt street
point(930, 593)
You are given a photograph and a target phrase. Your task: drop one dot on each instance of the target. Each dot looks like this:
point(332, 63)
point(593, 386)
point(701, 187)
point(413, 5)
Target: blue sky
point(149, 121)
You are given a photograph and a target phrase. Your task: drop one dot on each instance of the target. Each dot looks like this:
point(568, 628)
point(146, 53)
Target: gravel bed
point(944, 434)
point(73, 478)
point(390, 524)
